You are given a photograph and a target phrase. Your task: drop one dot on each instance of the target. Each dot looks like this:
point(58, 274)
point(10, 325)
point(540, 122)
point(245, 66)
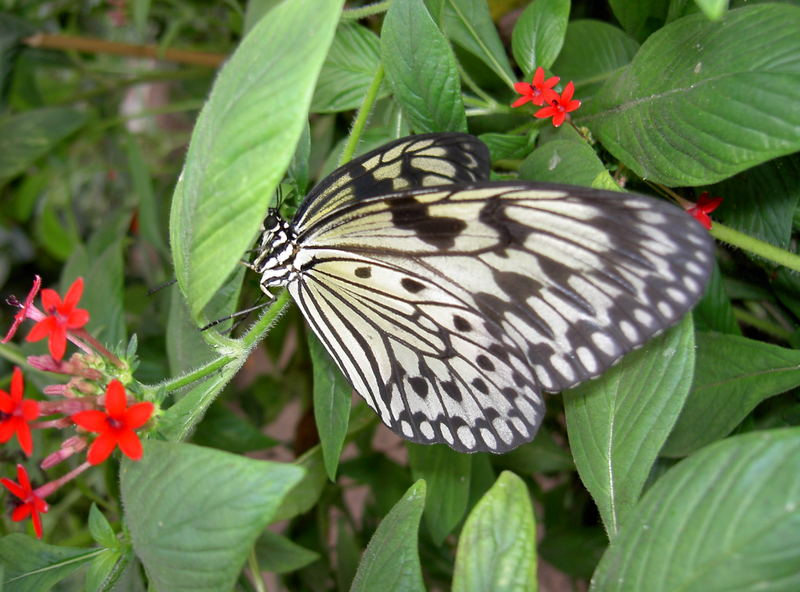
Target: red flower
point(115, 426)
point(31, 504)
point(61, 317)
point(560, 106)
point(538, 92)
point(24, 309)
point(16, 412)
point(704, 206)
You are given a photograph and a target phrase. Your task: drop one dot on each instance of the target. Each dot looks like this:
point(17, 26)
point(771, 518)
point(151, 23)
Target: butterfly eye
point(271, 221)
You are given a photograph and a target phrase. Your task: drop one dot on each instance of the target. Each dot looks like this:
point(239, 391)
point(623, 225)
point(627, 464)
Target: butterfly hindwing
point(452, 309)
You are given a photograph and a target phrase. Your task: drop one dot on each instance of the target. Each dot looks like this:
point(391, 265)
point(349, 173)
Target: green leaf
point(761, 201)
point(447, 477)
point(105, 570)
point(539, 34)
point(592, 51)
point(277, 554)
point(33, 566)
point(27, 136)
point(733, 374)
point(348, 70)
point(421, 69)
point(618, 422)
point(469, 24)
point(243, 141)
point(308, 491)
point(100, 529)
point(391, 560)
point(714, 312)
point(676, 115)
point(194, 513)
point(729, 516)
point(565, 161)
point(507, 146)
point(713, 9)
point(12, 31)
point(497, 547)
point(641, 17)
point(332, 397)
point(223, 429)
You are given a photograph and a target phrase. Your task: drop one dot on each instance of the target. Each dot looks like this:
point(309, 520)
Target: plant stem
point(93, 45)
point(361, 118)
point(354, 14)
point(762, 325)
point(757, 247)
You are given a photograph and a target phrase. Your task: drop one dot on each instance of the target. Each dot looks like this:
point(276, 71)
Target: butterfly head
point(276, 251)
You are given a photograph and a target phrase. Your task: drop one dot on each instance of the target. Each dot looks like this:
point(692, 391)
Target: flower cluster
point(93, 401)
point(540, 92)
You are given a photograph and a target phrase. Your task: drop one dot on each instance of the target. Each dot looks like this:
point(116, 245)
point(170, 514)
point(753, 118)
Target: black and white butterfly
point(452, 303)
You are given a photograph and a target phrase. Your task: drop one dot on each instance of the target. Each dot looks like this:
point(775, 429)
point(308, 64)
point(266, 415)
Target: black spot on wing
point(363, 272)
point(409, 214)
point(411, 285)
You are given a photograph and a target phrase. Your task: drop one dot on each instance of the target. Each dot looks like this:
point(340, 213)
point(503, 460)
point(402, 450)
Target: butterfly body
point(452, 303)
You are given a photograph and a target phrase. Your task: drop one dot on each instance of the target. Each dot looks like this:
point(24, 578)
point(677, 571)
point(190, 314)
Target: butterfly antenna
point(238, 313)
point(159, 287)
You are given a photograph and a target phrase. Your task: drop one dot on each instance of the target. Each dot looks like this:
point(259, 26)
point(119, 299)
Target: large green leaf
point(539, 34)
point(391, 561)
point(640, 17)
point(447, 477)
point(685, 113)
point(593, 50)
point(566, 161)
point(243, 141)
point(497, 547)
point(194, 513)
point(421, 69)
point(618, 423)
point(348, 70)
point(726, 518)
point(469, 24)
point(27, 136)
point(733, 375)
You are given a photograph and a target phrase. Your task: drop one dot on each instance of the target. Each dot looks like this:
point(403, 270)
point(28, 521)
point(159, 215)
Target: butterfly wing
point(408, 163)
point(451, 309)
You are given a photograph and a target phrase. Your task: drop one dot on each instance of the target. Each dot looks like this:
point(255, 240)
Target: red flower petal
point(93, 420)
point(7, 429)
point(37, 523)
point(116, 401)
point(521, 101)
point(16, 384)
point(24, 437)
point(137, 415)
point(42, 329)
point(22, 477)
point(522, 88)
point(7, 404)
point(14, 488)
point(129, 444)
point(73, 294)
point(77, 318)
point(30, 409)
point(21, 512)
point(58, 342)
point(102, 448)
point(51, 301)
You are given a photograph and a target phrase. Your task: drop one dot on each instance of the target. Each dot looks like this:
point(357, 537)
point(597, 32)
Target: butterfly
point(453, 303)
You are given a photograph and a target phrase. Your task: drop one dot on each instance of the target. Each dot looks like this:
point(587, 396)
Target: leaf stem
point(757, 247)
point(362, 116)
point(354, 14)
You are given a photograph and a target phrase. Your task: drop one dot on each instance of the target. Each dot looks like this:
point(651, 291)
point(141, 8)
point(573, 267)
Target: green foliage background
point(677, 470)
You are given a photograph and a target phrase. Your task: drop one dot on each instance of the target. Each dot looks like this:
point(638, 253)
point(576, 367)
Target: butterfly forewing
point(417, 161)
point(451, 309)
